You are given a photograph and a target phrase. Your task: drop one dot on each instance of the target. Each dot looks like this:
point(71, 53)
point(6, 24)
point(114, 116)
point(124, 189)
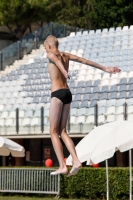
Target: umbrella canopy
point(8, 146)
point(119, 138)
point(87, 145)
point(101, 143)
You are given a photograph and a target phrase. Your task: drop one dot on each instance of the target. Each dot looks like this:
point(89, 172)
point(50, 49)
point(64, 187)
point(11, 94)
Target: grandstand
point(26, 85)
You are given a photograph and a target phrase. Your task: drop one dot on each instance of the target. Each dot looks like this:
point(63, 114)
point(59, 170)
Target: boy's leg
point(54, 117)
point(67, 140)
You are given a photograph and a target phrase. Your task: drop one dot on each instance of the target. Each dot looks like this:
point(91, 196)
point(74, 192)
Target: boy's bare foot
point(76, 167)
point(60, 171)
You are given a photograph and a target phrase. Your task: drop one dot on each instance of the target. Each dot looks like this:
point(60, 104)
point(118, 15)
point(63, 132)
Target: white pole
point(107, 180)
point(130, 168)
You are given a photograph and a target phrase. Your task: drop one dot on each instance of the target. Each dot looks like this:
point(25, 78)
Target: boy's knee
point(62, 131)
point(53, 130)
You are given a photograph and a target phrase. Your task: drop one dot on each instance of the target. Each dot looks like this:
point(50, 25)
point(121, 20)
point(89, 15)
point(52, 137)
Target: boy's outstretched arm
point(92, 64)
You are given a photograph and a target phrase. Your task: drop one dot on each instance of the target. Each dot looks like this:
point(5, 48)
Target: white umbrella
point(119, 138)
point(87, 145)
point(105, 141)
point(8, 146)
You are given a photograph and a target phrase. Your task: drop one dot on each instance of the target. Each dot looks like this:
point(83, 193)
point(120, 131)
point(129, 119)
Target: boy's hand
point(66, 74)
point(112, 70)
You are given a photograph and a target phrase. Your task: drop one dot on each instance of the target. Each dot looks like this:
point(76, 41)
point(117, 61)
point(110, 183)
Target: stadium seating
point(26, 83)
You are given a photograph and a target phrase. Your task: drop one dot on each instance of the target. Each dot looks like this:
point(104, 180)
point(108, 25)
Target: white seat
point(2, 122)
point(110, 110)
point(23, 107)
point(4, 101)
point(113, 81)
point(46, 121)
point(4, 114)
point(80, 120)
point(35, 121)
point(23, 94)
point(20, 100)
point(119, 118)
point(104, 82)
point(130, 117)
point(83, 72)
point(102, 103)
point(82, 111)
point(2, 107)
point(27, 100)
point(20, 82)
point(7, 83)
point(9, 122)
point(101, 110)
point(114, 76)
point(10, 89)
point(8, 95)
point(23, 76)
point(97, 76)
point(21, 113)
point(31, 106)
point(123, 75)
point(3, 89)
point(12, 114)
point(130, 102)
point(111, 102)
point(110, 118)
point(29, 114)
point(101, 119)
point(26, 122)
point(46, 113)
point(15, 94)
point(73, 111)
point(1, 84)
point(119, 110)
point(72, 34)
point(90, 111)
point(81, 78)
point(129, 109)
point(37, 114)
point(2, 95)
point(13, 83)
point(47, 105)
point(18, 88)
point(89, 120)
point(88, 77)
point(72, 119)
point(106, 76)
point(130, 74)
point(120, 102)
point(12, 101)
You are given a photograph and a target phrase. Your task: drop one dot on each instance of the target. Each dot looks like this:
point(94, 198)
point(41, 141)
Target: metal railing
point(32, 180)
point(32, 41)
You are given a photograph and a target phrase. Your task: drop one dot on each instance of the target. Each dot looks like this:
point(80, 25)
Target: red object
point(65, 161)
point(48, 163)
point(95, 165)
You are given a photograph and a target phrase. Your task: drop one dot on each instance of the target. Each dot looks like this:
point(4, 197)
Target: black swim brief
point(63, 94)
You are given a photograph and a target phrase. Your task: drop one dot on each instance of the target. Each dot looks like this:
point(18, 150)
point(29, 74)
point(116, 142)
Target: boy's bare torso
point(58, 81)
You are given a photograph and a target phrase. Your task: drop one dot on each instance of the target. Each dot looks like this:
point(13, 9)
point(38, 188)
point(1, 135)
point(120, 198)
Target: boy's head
point(51, 43)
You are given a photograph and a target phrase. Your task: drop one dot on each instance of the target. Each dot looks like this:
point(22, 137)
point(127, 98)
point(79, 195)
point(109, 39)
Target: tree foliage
point(92, 14)
point(21, 13)
point(89, 14)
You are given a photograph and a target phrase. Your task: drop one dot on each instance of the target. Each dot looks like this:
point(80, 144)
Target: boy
point(61, 99)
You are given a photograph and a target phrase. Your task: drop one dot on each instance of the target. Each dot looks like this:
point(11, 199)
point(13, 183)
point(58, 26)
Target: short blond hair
point(52, 40)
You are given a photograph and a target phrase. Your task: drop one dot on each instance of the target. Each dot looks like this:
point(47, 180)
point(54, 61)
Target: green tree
point(17, 15)
point(106, 14)
point(92, 14)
